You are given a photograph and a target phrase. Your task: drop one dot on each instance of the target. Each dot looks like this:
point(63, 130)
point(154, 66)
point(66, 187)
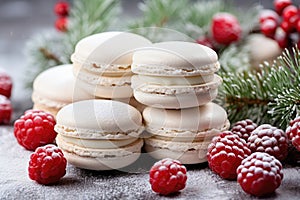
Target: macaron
point(268, 50)
point(55, 88)
point(102, 63)
point(99, 134)
point(175, 75)
point(183, 134)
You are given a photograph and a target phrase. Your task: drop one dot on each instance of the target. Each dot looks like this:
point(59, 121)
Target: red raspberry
point(47, 164)
point(286, 26)
point(5, 110)
point(269, 139)
point(226, 153)
point(268, 14)
point(35, 128)
point(260, 174)
point(290, 15)
point(244, 128)
point(268, 28)
point(293, 132)
point(281, 4)
point(5, 84)
point(298, 26)
point(167, 176)
point(225, 28)
point(62, 9)
point(61, 24)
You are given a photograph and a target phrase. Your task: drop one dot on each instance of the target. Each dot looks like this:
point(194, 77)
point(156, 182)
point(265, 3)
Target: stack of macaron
point(99, 134)
point(177, 81)
point(100, 69)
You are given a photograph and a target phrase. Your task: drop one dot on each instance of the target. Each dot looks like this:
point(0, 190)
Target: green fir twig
point(270, 96)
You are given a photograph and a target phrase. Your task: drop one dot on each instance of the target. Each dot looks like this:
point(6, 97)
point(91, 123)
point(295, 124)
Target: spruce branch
point(43, 51)
point(270, 96)
point(87, 18)
point(51, 48)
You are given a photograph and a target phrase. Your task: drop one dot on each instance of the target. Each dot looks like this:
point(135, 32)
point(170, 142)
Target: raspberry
point(225, 28)
point(281, 4)
point(35, 128)
point(244, 128)
point(268, 14)
point(226, 153)
point(47, 165)
point(62, 9)
point(5, 110)
point(290, 15)
point(269, 139)
point(293, 132)
point(5, 84)
point(268, 28)
point(167, 176)
point(260, 174)
point(61, 24)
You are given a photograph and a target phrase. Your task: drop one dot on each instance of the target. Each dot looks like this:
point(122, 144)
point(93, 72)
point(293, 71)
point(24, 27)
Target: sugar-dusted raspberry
point(244, 128)
point(62, 9)
point(5, 84)
point(281, 4)
point(269, 139)
point(35, 128)
point(61, 24)
point(225, 28)
point(5, 110)
point(167, 176)
point(290, 15)
point(226, 153)
point(268, 15)
point(47, 165)
point(293, 132)
point(260, 174)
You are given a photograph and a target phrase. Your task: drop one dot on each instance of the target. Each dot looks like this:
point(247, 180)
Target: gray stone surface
point(129, 183)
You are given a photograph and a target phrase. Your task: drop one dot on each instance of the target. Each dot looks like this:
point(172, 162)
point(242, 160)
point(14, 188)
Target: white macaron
point(183, 134)
point(175, 75)
point(102, 63)
point(55, 88)
point(99, 134)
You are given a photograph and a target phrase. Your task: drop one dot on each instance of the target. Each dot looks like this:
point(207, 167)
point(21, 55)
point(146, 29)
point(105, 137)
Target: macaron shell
point(175, 97)
point(56, 87)
point(97, 118)
point(100, 164)
point(197, 119)
point(193, 156)
point(187, 135)
point(97, 143)
point(106, 91)
point(175, 58)
point(100, 159)
point(107, 50)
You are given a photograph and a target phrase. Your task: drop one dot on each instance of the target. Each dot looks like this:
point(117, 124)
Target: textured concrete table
point(129, 183)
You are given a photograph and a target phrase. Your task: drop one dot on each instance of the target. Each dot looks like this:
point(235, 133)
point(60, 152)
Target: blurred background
point(22, 19)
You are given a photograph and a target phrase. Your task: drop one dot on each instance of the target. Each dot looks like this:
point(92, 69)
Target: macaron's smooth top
point(103, 116)
point(203, 118)
point(175, 58)
point(58, 85)
point(108, 48)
